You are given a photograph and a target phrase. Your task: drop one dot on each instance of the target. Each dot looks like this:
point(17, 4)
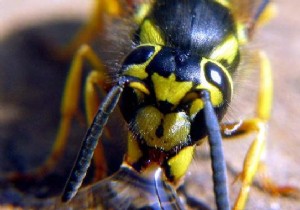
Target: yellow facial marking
point(175, 128)
point(151, 34)
point(139, 86)
point(179, 164)
point(196, 106)
point(133, 150)
point(215, 94)
point(228, 50)
point(168, 89)
point(137, 71)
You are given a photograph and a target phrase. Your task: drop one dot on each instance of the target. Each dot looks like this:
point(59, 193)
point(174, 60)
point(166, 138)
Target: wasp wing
point(126, 189)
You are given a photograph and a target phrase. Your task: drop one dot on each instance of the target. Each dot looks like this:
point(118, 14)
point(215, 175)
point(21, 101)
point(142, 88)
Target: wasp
point(173, 79)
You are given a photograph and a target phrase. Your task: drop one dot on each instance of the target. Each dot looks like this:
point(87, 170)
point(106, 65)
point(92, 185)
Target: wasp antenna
point(216, 152)
point(90, 141)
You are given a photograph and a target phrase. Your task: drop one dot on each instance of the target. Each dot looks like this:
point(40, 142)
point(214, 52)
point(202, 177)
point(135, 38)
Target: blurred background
point(30, 79)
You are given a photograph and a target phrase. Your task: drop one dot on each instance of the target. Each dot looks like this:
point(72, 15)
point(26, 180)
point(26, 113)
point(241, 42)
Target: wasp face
point(174, 80)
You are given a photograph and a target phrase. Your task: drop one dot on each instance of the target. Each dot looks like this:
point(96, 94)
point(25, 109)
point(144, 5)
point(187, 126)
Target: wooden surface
point(280, 39)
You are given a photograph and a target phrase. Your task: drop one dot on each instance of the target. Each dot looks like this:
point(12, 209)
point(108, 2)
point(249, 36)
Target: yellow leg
point(268, 14)
point(258, 124)
point(252, 159)
point(93, 27)
point(69, 108)
point(70, 101)
point(252, 162)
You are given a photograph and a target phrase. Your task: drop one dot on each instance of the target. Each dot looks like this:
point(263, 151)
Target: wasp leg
point(93, 27)
point(253, 156)
point(70, 101)
point(265, 13)
point(258, 125)
point(252, 162)
point(69, 109)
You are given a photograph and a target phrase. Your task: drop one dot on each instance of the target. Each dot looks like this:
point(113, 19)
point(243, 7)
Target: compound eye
point(218, 76)
point(139, 56)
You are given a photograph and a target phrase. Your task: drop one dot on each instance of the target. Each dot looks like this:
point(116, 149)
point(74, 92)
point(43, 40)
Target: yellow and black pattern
point(170, 105)
point(170, 66)
point(176, 57)
point(174, 88)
